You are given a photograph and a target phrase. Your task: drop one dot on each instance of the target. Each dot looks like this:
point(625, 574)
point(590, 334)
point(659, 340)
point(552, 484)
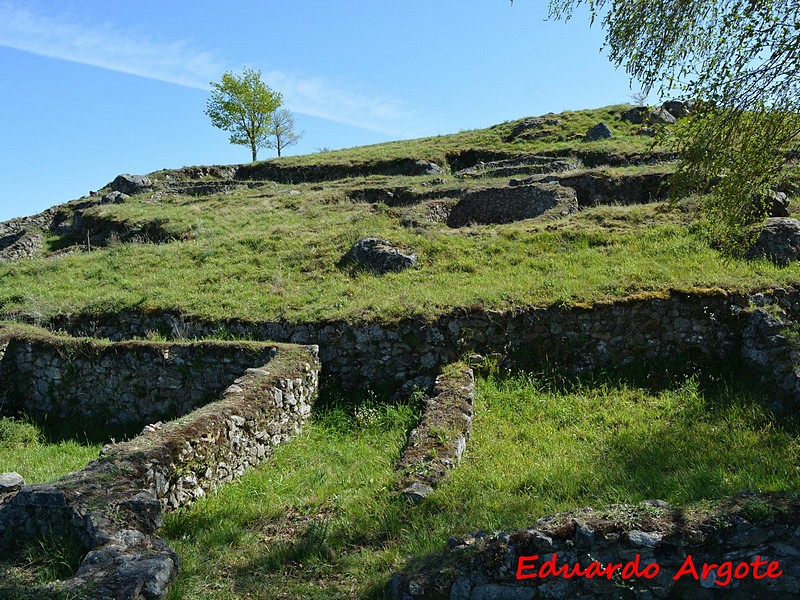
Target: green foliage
point(244, 106)
point(739, 61)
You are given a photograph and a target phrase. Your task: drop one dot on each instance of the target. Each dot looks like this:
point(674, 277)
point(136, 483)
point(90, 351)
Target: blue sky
point(94, 88)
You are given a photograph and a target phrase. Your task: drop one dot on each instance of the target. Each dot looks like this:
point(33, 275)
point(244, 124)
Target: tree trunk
point(254, 149)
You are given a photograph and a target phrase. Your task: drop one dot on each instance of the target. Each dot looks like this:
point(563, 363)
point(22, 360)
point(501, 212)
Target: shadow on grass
point(684, 453)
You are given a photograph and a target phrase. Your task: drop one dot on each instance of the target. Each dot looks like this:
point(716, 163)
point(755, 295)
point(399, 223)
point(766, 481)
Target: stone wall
point(116, 385)
point(282, 173)
point(701, 325)
point(22, 237)
point(114, 505)
point(654, 551)
point(509, 204)
point(435, 446)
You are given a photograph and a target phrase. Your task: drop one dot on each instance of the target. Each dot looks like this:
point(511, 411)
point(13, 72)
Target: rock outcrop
point(380, 256)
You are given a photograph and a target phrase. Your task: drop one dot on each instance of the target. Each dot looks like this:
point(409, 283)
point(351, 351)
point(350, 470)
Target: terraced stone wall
point(121, 385)
point(702, 325)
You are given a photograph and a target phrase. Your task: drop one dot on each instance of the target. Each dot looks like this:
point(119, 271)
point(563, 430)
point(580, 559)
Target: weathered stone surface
point(482, 566)
point(706, 324)
point(380, 256)
point(636, 115)
point(422, 167)
point(128, 385)
point(114, 198)
point(677, 108)
point(435, 446)
point(20, 244)
point(114, 505)
point(10, 482)
point(534, 128)
point(778, 240)
point(660, 116)
point(599, 188)
point(531, 164)
point(601, 131)
point(282, 173)
point(512, 203)
point(131, 184)
point(771, 204)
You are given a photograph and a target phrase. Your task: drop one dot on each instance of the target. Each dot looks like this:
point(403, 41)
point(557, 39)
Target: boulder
point(114, 198)
point(380, 256)
point(533, 128)
point(635, 115)
point(777, 204)
point(131, 184)
point(661, 116)
point(771, 204)
point(676, 108)
point(600, 131)
point(10, 482)
point(417, 167)
point(778, 240)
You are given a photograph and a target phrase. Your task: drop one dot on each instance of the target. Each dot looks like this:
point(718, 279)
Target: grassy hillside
point(319, 520)
point(272, 250)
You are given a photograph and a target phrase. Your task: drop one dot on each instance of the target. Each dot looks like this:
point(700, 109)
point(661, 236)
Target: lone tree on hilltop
point(740, 61)
point(244, 106)
point(281, 131)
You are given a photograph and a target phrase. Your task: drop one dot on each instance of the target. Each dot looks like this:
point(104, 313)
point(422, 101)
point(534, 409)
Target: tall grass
point(320, 519)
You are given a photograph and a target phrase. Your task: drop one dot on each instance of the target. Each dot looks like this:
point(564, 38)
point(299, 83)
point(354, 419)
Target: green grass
point(320, 521)
point(277, 258)
point(24, 449)
point(263, 254)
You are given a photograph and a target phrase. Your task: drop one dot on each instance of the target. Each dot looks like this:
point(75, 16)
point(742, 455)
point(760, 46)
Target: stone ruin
point(113, 507)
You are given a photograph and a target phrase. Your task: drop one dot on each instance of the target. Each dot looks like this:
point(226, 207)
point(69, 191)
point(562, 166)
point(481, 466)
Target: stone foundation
point(114, 505)
point(654, 551)
point(120, 385)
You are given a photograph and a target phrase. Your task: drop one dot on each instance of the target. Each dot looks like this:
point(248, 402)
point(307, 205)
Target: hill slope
point(490, 214)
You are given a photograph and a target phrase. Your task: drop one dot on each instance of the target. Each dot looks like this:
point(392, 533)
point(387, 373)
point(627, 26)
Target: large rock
point(661, 116)
point(677, 108)
point(779, 240)
point(771, 204)
point(131, 184)
point(600, 131)
point(380, 256)
point(509, 204)
point(534, 127)
point(417, 167)
point(10, 482)
point(635, 115)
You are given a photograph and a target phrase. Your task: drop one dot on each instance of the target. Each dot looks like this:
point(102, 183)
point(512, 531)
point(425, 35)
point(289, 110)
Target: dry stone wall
point(114, 506)
point(117, 385)
point(509, 204)
point(435, 446)
point(702, 325)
